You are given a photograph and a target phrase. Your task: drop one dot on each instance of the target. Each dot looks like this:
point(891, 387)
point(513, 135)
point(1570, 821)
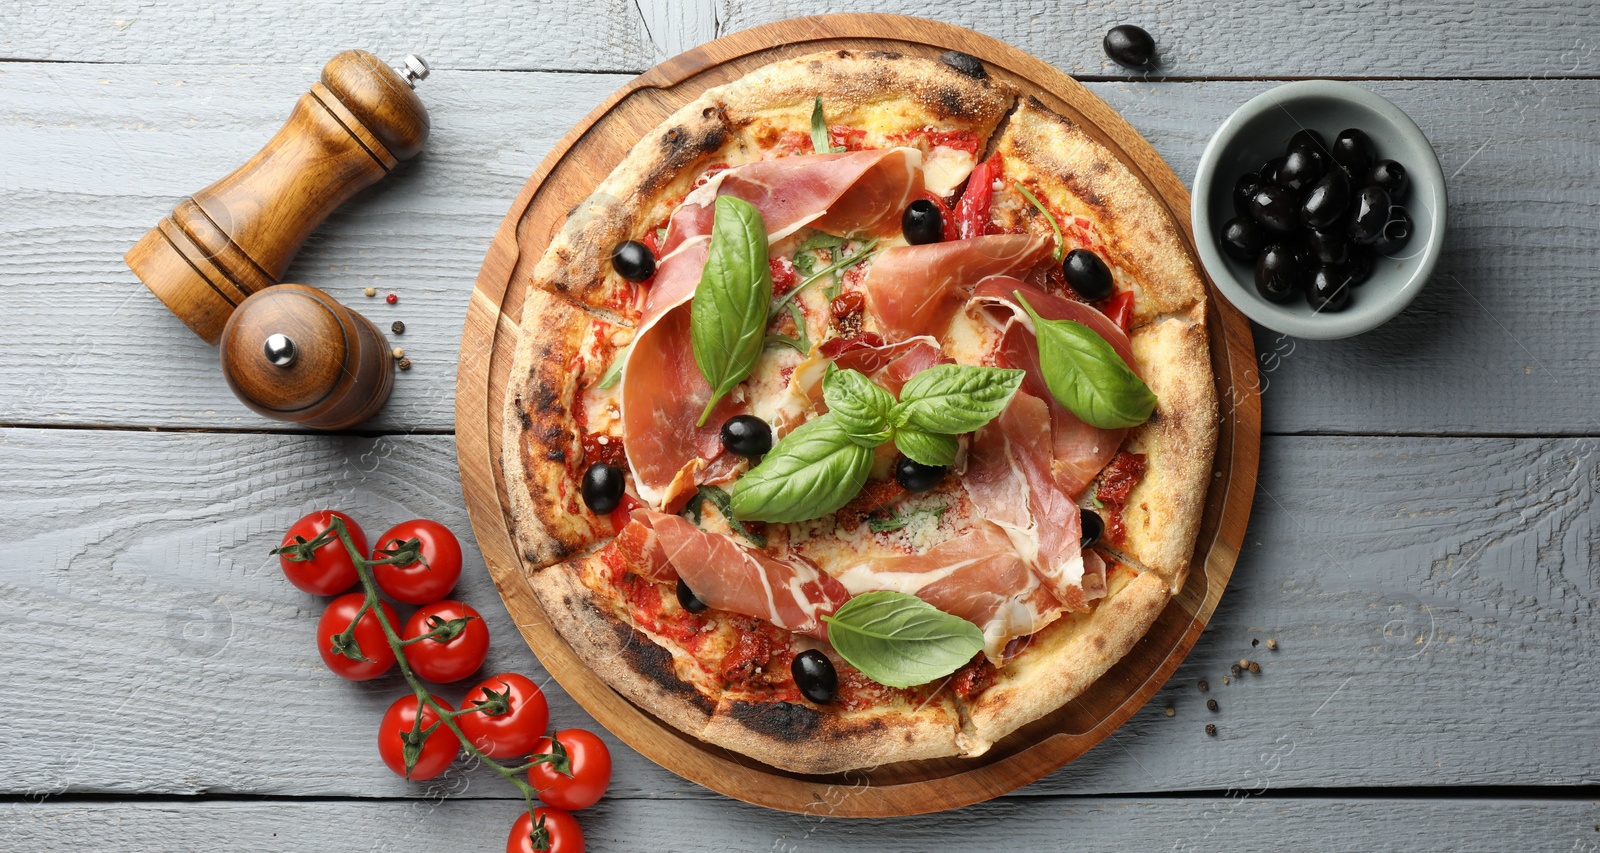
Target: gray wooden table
point(1423, 545)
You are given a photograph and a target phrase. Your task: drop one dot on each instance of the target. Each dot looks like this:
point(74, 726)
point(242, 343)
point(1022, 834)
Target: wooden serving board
point(569, 174)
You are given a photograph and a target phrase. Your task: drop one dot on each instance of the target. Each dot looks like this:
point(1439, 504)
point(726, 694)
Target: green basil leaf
point(728, 314)
point(810, 472)
point(614, 372)
point(1087, 376)
point(900, 640)
point(926, 447)
point(950, 399)
point(859, 406)
point(900, 519)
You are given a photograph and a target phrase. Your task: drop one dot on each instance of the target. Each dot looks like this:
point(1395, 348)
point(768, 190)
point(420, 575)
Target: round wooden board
point(569, 174)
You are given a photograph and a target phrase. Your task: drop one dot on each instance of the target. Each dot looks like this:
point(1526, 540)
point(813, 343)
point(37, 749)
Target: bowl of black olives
point(1319, 209)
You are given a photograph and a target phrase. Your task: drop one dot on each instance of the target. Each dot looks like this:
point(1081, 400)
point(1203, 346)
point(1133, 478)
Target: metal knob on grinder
point(239, 235)
point(293, 353)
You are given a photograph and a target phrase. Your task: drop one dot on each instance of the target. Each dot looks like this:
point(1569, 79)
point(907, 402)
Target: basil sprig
point(1087, 376)
point(728, 314)
point(899, 640)
point(819, 467)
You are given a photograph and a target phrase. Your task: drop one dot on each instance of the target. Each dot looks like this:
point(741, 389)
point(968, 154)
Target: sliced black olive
point(1353, 150)
point(1328, 289)
point(1301, 168)
point(1242, 238)
point(1278, 273)
point(922, 223)
point(633, 261)
point(1328, 199)
point(747, 436)
point(1306, 138)
point(1275, 209)
point(1243, 190)
point(1093, 527)
point(815, 676)
point(917, 477)
point(965, 63)
point(1369, 213)
point(1358, 267)
point(1130, 46)
point(1391, 176)
point(1087, 274)
point(1269, 172)
point(1328, 247)
point(686, 597)
point(1396, 231)
point(602, 488)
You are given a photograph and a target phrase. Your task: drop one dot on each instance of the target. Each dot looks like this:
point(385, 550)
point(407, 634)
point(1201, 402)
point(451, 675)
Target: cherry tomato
point(369, 639)
point(421, 581)
point(439, 747)
point(514, 731)
point(591, 771)
point(329, 570)
point(561, 833)
point(444, 661)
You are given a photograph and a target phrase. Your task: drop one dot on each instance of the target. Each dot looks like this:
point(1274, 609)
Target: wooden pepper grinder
point(293, 353)
point(238, 235)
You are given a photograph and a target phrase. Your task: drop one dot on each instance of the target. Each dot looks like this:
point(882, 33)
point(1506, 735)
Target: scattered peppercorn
point(1204, 685)
point(399, 353)
point(1255, 667)
point(391, 299)
point(1243, 662)
point(1235, 670)
point(397, 327)
point(371, 291)
point(1211, 705)
point(1272, 645)
point(1254, 642)
point(1171, 711)
point(1211, 729)
point(405, 364)
point(1224, 679)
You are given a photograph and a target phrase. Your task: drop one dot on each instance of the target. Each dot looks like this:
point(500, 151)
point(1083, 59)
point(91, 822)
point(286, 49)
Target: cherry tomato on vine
point(512, 732)
point(444, 661)
point(421, 581)
point(560, 830)
point(591, 771)
point(369, 641)
point(439, 747)
point(326, 569)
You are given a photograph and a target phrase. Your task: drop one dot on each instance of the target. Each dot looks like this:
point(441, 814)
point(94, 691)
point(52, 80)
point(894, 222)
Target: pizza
point(863, 414)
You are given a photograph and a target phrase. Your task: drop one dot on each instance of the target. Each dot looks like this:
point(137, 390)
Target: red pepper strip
point(947, 217)
point(619, 516)
point(972, 211)
point(1119, 307)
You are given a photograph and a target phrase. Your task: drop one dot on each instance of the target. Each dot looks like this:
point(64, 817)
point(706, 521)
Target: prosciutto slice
point(916, 290)
point(663, 392)
point(1080, 450)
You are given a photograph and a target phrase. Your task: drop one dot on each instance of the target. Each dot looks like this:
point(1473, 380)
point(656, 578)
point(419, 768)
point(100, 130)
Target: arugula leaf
point(899, 520)
point(810, 472)
point(951, 399)
point(1054, 225)
point(614, 372)
point(729, 310)
point(859, 406)
point(820, 143)
point(724, 504)
point(925, 447)
point(801, 342)
point(848, 261)
point(899, 640)
point(1087, 376)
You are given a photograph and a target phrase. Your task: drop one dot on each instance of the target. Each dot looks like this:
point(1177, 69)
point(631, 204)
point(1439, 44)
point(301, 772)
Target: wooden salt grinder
point(293, 353)
point(238, 235)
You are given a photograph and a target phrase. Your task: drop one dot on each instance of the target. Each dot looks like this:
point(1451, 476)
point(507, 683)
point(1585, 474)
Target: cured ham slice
point(1080, 450)
point(791, 594)
point(916, 290)
point(663, 392)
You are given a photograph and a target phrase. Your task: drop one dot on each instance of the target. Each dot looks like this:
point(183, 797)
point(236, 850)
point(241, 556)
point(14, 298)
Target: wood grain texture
point(1244, 824)
point(94, 156)
point(1434, 602)
point(1233, 38)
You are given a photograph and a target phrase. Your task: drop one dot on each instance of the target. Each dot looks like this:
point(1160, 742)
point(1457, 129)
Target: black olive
point(815, 676)
point(1396, 231)
point(1301, 168)
point(1278, 273)
point(747, 436)
point(1328, 247)
point(1242, 238)
point(1130, 46)
point(1328, 289)
point(1269, 172)
point(602, 488)
point(965, 63)
point(1275, 209)
point(1358, 267)
point(1391, 176)
point(1328, 199)
point(1093, 527)
point(1368, 214)
point(687, 598)
point(1089, 276)
point(1352, 149)
point(633, 261)
point(1306, 138)
point(917, 477)
point(922, 223)
point(1243, 190)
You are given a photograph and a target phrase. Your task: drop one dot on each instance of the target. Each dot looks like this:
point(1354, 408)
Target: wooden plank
point(1233, 38)
point(1432, 600)
point(95, 156)
point(1244, 823)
